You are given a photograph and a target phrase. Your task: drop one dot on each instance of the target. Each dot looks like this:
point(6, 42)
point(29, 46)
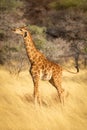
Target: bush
point(39, 35)
point(8, 5)
point(2, 36)
point(63, 4)
point(85, 49)
point(37, 30)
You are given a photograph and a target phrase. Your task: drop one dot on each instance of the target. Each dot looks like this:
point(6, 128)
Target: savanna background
point(59, 30)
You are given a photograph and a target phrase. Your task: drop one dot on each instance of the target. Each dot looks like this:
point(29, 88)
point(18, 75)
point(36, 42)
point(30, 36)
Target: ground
point(18, 112)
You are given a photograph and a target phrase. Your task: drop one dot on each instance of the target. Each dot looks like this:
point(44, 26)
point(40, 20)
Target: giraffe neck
point(30, 47)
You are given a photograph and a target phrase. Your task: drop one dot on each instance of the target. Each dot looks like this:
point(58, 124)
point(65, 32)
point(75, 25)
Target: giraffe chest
point(45, 75)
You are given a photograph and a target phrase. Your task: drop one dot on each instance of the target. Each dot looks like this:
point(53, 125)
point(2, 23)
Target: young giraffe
point(41, 68)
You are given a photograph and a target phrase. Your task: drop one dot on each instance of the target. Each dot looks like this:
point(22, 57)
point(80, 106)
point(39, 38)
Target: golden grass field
point(18, 112)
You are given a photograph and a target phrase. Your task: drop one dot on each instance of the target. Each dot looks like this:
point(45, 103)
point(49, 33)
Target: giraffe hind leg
point(60, 90)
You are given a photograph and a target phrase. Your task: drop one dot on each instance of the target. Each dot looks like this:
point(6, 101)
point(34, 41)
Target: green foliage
point(39, 42)
point(85, 49)
point(63, 4)
point(6, 5)
point(37, 30)
point(39, 35)
point(1, 36)
point(13, 49)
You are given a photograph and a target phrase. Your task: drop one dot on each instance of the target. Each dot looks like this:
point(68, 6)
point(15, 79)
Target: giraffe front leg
point(36, 90)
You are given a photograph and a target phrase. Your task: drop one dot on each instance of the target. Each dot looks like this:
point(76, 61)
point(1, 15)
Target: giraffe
point(41, 68)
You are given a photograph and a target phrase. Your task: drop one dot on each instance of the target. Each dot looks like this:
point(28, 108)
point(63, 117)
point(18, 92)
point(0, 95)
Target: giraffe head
point(21, 30)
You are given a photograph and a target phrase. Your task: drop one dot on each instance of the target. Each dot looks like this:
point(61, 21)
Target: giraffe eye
point(20, 29)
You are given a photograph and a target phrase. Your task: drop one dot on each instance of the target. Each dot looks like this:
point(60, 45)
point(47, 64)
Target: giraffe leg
point(56, 82)
point(36, 91)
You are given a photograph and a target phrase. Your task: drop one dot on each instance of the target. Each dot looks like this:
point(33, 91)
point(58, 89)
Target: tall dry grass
point(18, 112)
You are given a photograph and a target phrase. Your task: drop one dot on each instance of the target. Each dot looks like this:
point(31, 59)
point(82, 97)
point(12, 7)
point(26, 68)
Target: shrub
point(85, 49)
point(39, 35)
point(1, 36)
point(63, 4)
point(8, 5)
point(37, 30)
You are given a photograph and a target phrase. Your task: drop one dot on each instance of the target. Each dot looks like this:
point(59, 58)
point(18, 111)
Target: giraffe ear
point(25, 34)
point(25, 27)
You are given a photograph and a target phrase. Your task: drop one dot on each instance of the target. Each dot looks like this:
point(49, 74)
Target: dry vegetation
point(18, 112)
point(59, 29)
